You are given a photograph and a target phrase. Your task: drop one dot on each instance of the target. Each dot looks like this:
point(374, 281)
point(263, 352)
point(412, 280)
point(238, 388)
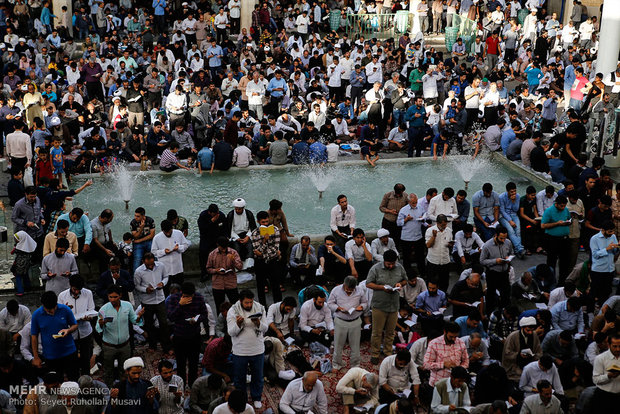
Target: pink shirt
point(578, 85)
point(438, 352)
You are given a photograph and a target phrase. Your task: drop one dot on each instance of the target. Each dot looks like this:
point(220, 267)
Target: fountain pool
point(297, 187)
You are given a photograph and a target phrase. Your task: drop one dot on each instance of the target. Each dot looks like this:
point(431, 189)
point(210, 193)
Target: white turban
point(133, 362)
point(527, 321)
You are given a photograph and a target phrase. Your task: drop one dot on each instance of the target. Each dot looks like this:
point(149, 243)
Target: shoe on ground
point(258, 405)
point(374, 360)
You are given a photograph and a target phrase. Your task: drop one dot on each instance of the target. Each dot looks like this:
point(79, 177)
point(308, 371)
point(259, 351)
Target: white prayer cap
point(382, 233)
point(55, 121)
point(240, 202)
point(527, 321)
point(69, 388)
point(133, 362)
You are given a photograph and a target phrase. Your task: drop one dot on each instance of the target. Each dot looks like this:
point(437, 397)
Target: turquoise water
point(364, 186)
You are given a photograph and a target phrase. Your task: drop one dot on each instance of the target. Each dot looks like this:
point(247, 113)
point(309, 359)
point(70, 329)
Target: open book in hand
point(494, 225)
point(267, 230)
point(87, 314)
point(509, 258)
point(440, 311)
point(195, 318)
point(614, 368)
point(391, 288)
point(320, 325)
point(255, 315)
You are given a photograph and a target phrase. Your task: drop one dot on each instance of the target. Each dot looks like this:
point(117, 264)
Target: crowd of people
point(183, 86)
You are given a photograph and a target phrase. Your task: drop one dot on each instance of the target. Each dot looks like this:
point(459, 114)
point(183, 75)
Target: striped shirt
point(438, 353)
point(168, 159)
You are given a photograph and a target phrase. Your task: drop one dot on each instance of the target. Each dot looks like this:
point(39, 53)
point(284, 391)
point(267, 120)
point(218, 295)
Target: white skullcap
point(133, 362)
point(240, 202)
point(382, 233)
point(2, 46)
point(55, 121)
point(69, 388)
point(21, 39)
point(527, 321)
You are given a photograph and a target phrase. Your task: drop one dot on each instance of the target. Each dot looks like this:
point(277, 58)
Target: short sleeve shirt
point(149, 224)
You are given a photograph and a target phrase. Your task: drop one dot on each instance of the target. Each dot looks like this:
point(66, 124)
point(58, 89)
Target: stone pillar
point(609, 40)
point(247, 7)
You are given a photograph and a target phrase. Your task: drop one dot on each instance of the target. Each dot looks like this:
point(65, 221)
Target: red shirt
point(492, 45)
point(44, 169)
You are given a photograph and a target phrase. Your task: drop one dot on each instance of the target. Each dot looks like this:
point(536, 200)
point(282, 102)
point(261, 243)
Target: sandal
point(282, 289)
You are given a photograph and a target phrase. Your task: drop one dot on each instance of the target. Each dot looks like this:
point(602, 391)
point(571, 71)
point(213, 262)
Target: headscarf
point(25, 243)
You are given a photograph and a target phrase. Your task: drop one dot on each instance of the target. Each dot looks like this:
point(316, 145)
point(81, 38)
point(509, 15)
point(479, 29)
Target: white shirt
point(398, 378)
point(295, 398)
point(302, 24)
point(242, 156)
point(280, 320)
point(439, 253)
point(436, 404)
point(355, 252)
point(334, 73)
point(418, 349)
point(173, 259)
point(429, 85)
point(439, 206)
point(15, 323)
point(464, 245)
point(79, 306)
point(543, 202)
point(372, 75)
point(310, 316)
point(144, 277)
point(599, 374)
point(341, 128)
point(247, 340)
point(558, 295)
point(255, 87)
point(332, 152)
point(223, 409)
point(340, 219)
point(189, 26)
point(235, 9)
point(220, 21)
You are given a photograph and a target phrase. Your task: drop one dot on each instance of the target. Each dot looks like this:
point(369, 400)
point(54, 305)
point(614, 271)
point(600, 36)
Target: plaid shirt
point(269, 249)
point(500, 327)
point(438, 352)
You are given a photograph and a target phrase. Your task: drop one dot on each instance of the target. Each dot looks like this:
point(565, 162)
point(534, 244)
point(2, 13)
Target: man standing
point(168, 247)
point(186, 311)
point(439, 244)
point(443, 203)
point(115, 276)
point(416, 115)
point(28, 216)
point(604, 247)
point(444, 353)
point(211, 225)
point(113, 324)
point(412, 239)
point(348, 303)
point(303, 394)
point(556, 223)
point(58, 267)
point(223, 264)
point(390, 205)
point(143, 231)
point(266, 257)
point(102, 243)
point(342, 221)
point(80, 301)
point(606, 379)
point(247, 323)
point(54, 323)
point(495, 257)
point(150, 279)
point(385, 279)
point(19, 148)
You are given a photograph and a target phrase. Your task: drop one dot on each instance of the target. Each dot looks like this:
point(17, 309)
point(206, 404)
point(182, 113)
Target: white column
point(609, 41)
point(247, 7)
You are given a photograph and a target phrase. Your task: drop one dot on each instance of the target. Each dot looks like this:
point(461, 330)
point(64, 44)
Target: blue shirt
point(486, 205)
point(508, 208)
point(274, 83)
point(533, 75)
point(346, 111)
point(550, 108)
point(552, 215)
point(47, 325)
point(466, 330)
point(411, 230)
point(116, 332)
point(216, 51)
point(508, 135)
point(160, 7)
point(300, 153)
point(556, 166)
point(356, 83)
point(411, 118)
point(205, 158)
point(317, 153)
point(463, 210)
point(603, 259)
point(562, 319)
point(81, 228)
point(569, 77)
point(430, 303)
